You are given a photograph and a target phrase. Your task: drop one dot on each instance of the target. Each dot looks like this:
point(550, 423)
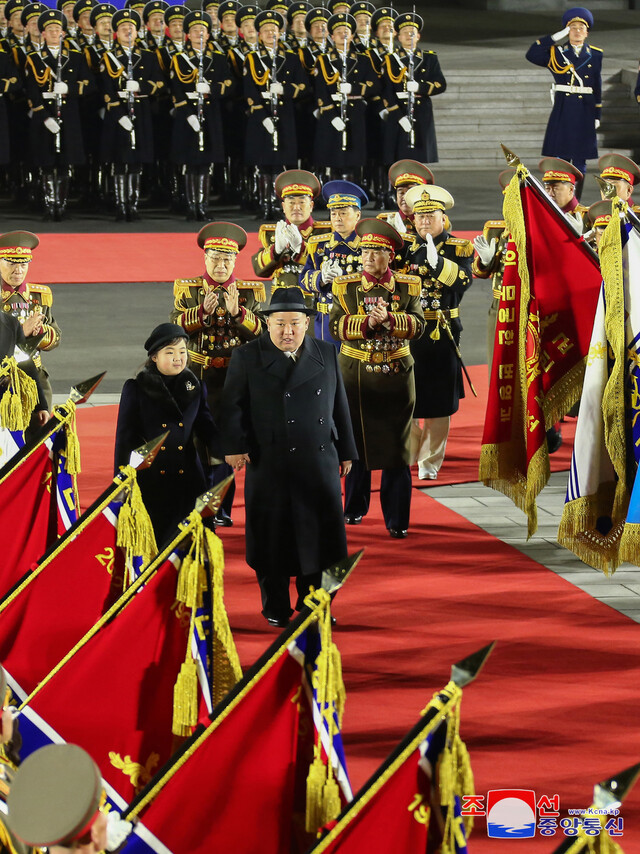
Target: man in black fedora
point(284, 416)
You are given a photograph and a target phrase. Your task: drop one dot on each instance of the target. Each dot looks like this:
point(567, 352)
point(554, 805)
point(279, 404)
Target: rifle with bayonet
point(343, 95)
point(411, 98)
point(274, 95)
point(131, 98)
point(201, 96)
point(59, 97)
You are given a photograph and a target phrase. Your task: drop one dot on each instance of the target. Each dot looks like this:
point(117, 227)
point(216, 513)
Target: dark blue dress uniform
point(577, 100)
point(9, 84)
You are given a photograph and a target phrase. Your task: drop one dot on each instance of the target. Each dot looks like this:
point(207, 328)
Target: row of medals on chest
point(220, 338)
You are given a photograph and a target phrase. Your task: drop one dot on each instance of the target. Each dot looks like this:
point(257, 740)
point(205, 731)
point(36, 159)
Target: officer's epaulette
point(464, 247)
point(46, 297)
point(340, 283)
point(493, 228)
point(319, 238)
point(414, 282)
point(257, 288)
point(182, 286)
point(593, 47)
point(323, 226)
point(266, 230)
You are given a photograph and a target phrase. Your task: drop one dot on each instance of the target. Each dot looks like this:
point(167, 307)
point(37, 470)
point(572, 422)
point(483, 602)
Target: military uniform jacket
point(185, 73)
point(257, 75)
point(365, 88)
point(41, 71)
point(284, 270)
point(438, 370)
point(430, 79)
point(9, 83)
point(377, 365)
point(117, 143)
point(571, 132)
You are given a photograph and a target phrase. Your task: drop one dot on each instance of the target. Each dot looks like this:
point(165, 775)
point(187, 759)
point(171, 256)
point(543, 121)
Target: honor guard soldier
point(282, 7)
point(66, 7)
point(443, 263)
point(345, 81)
point(576, 89)
point(200, 76)
point(33, 40)
point(211, 8)
point(175, 42)
point(10, 83)
point(17, 106)
point(55, 80)
point(411, 78)
point(403, 175)
point(129, 74)
point(338, 7)
point(30, 304)
point(100, 17)
point(304, 106)
point(383, 32)
point(333, 254)
point(284, 244)
point(273, 80)
point(157, 173)
point(228, 37)
point(247, 33)
point(15, 28)
point(375, 315)
point(316, 25)
point(88, 178)
point(218, 313)
point(85, 34)
point(362, 13)
point(153, 19)
point(296, 18)
point(560, 179)
point(622, 172)
point(137, 6)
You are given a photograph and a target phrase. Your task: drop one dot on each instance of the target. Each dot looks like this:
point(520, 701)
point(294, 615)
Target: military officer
point(31, 304)
point(284, 244)
point(218, 313)
point(200, 76)
point(129, 74)
point(334, 253)
point(345, 81)
point(576, 90)
point(411, 78)
point(55, 80)
point(443, 263)
point(402, 176)
point(622, 172)
point(560, 179)
point(375, 314)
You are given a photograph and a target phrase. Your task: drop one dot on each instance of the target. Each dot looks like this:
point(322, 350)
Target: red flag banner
point(548, 301)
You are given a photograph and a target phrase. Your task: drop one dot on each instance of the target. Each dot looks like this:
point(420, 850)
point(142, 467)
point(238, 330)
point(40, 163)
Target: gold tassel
point(134, 529)
point(315, 788)
point(185, 698)
point(435, 335)
point(20, 398)
point(331, 804)
point(72, 443)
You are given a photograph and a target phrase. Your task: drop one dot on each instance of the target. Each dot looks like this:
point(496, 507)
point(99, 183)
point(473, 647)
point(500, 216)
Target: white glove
point(597, 123)
point(60, 88)
point(132, 86)
point(384, 114)
point(561, 34)
point(126, 123)
point(117, 830)
point(396, 221)
point(193, 123)
point(432, 252)
point(338, 124)
point(344, 88)
point(268, 125)
point(281, 237)
point(405, 124)
point(276, 89)
point(329, 270)
point(316, 114)
point(203, 88)
point(486, 251)
point(295, 238)
point(52, 125)
point(412, 86)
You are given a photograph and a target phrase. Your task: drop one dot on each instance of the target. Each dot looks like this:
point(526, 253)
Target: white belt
point(574, 90)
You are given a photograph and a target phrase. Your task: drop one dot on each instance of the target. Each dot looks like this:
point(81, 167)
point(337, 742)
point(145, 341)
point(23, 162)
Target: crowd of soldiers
point(186, 105)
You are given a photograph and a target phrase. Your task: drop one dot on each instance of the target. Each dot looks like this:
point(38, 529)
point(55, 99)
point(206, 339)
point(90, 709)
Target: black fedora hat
point(287, 299)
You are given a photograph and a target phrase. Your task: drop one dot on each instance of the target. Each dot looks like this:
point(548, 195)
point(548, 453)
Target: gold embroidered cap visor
point(423, 199)
point(223, 237)
point(377, 234)
point(17, 246)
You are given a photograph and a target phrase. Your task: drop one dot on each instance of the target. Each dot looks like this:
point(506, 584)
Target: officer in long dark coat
point(443, 263)
point(10, 83)
point(375, 315)
point(285, 414)
point(411, 78)
point(576, 90)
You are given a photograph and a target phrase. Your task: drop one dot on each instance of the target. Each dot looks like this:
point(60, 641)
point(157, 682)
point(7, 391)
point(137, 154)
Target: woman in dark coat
point(166, 395)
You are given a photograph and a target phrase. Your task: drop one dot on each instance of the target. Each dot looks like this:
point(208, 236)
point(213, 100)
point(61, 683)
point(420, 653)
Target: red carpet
point(554, 710)
point(113, 257)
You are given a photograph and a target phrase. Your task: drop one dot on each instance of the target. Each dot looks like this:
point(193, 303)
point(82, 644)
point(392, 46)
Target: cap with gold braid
point(384, 13)
point(343, 194)
point(599, 213)
point(578, 13)
point(102, 10)
point(269, 16)
point(341, 19)
point(51, 16)
point(297, 182)
point(408, 19)
point(222, 237)
point(378, 234)
point(404, 172)
point(618, 166)
point(426, 199)
point(55, 796)
point(123, 15)
point(17, 246)
point(32, 10)
point(556, 169)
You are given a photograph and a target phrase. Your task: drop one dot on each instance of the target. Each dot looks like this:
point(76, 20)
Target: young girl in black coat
point(166, 395)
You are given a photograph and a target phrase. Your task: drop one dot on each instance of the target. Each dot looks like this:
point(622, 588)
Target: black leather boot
point(190, 195)
point(133, 196)
point(120, 192)
point(204, 184)
point(48, 186)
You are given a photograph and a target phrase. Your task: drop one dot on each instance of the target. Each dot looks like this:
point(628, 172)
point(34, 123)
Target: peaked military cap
point(17, 245)
point(102, 10)
point(154, 6)
point(337, 4)
point(135, 4)
point(362, 8)
point(287, 299)
point(32, 10)
point(408, 19)
point(82, 6)
point(404, 172)
point(341, 19)
point(60, 4)
point(197, 16)
point(175, 13)
point(222, 237)
point(246, 13)
point(229, 7)
point(297, 182)
point(315, 15)
point(268, 16)
point(55, 796)
point(618, 166)
point(12, 6)
point(556, 169)
point(343, 194)
point(599, 213)
point(300, 7)
point(578, 13)
point(384, 13)
point(51, 16)
point(281, 6)
point(378, 234)
point(123, 15)
point(210, 3)
point(425, 199)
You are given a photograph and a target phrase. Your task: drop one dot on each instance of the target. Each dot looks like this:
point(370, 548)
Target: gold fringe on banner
point(185, 697)
point(20, 397)
point(134, 529)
